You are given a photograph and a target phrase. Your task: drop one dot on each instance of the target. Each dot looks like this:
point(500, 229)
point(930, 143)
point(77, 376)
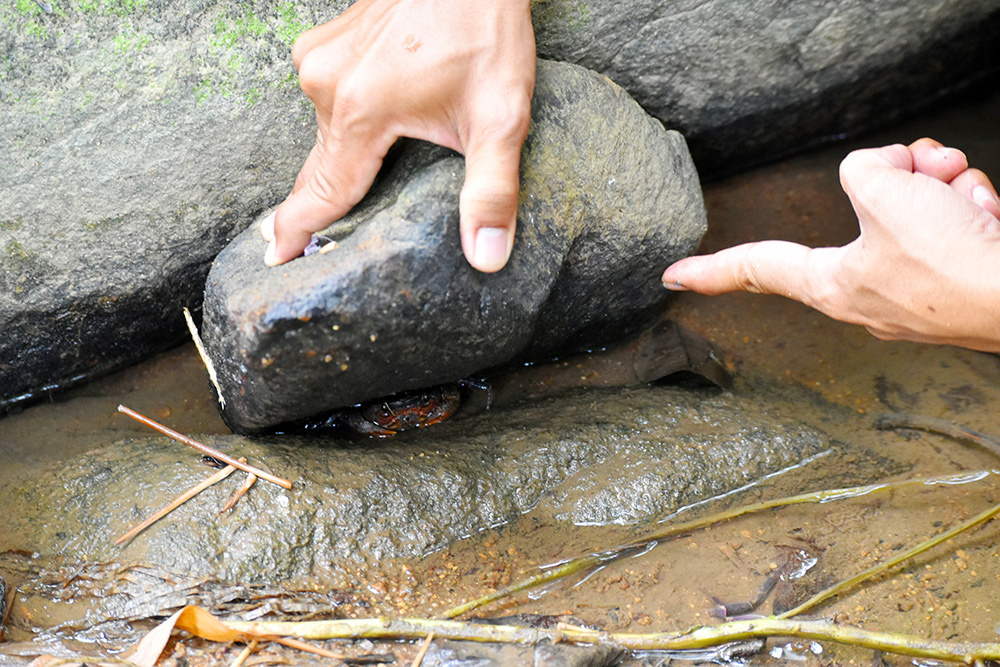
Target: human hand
point(924, 267)
point(459, 73)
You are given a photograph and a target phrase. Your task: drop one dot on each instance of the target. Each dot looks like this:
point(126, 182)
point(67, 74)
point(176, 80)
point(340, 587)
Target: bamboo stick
point(203, 448)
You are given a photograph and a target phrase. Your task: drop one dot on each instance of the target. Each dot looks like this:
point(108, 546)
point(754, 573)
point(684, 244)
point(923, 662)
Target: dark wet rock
point(663, 350)
point(746, 82)
point(608, 199)
point(443, 653)
point(652, 450)
point(139, 138)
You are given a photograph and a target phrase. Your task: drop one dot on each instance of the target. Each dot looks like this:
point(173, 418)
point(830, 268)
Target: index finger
point(340, 176)
point(763, 267)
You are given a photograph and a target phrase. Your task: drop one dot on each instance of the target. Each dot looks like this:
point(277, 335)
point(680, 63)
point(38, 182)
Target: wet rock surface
point(598, 456)
point(608, 198)
point(746, 82)
point(140, 138)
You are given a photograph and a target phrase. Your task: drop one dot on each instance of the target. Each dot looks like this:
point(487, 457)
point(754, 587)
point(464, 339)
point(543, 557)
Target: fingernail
point(267, 227)
point(269, 257)
point(674, 286)
point(947, 152)
point(491, 248)
point(985, 198)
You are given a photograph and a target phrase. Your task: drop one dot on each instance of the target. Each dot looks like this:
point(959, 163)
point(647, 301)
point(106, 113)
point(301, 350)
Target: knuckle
point(493, 207)
point(335, 189)
point(323, 187)
point(850, 165)
point(299, 50)
point(495, 197)
point(748, 274)
point(515, 122)
point(314, 76)
point(883, 334)
point(501, 119)
point(352, 96)
point(827, 299)
point(509, 122)
point(356, 108)
point(826, 289)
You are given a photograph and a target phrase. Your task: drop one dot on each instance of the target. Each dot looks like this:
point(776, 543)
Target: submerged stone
point(609, 197)
point(598, 456)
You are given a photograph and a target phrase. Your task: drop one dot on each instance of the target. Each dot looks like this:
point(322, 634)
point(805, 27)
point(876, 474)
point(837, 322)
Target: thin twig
point(248, 649)
point(423, 650)
point(203, 448)
point(584, 563)
point(240, 492)
point(896, 420)
point(875, 570)
point(302, 646)
point(177, 502)
point(209, 366)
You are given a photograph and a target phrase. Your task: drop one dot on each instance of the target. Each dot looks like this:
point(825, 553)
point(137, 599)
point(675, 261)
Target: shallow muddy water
point(948, 593)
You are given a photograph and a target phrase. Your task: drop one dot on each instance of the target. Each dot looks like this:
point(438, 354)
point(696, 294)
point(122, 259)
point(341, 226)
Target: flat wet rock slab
point(598, 456)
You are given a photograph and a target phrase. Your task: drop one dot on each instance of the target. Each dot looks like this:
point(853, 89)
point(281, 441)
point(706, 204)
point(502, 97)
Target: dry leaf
point(201, 623)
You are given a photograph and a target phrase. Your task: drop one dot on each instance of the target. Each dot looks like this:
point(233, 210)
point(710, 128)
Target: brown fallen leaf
point(201, 623)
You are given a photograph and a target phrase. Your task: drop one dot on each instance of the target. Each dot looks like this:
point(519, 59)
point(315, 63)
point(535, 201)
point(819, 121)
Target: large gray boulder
point(139, 138)
point(608, 198)
point(746, 82)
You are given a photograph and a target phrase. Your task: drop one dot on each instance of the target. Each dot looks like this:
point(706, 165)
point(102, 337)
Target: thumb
point(488, 203)
point(765, 267)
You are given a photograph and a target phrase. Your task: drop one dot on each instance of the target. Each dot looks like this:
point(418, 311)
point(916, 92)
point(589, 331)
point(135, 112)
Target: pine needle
point(176, 502)
point(240, 492)
point(423, 650)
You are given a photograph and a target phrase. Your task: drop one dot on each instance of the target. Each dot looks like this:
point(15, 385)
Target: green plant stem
point(875, 570)
point(584, 563)
point(546, 576)
point(701, 637)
